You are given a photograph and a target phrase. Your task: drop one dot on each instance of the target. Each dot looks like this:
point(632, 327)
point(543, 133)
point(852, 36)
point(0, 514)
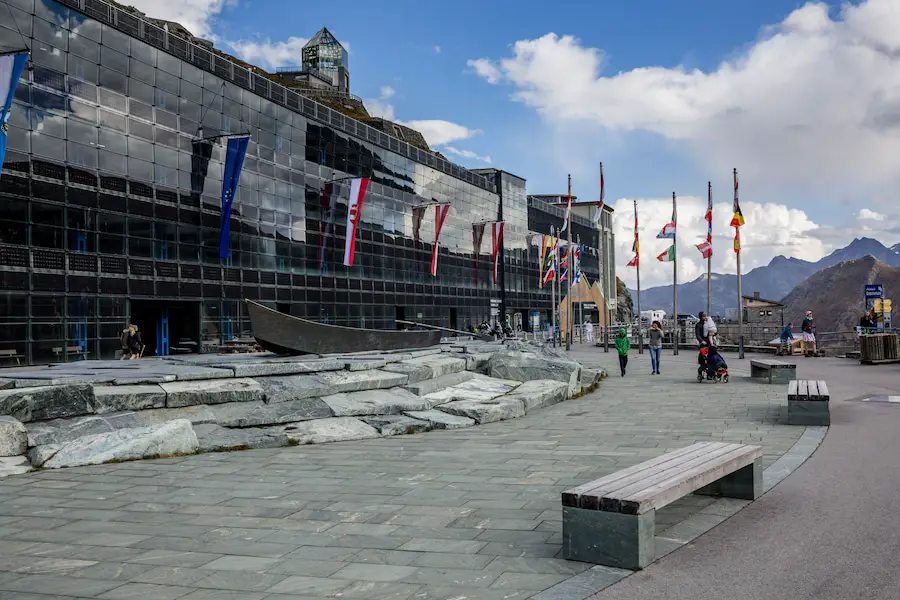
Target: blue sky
point(803, 98)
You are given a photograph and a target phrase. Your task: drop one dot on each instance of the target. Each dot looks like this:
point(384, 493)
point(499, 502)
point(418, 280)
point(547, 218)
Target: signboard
point(495, 302)
point(611, 304)
point(590, 306)
point(495, 311)
point(875, 290)
point(535, 321)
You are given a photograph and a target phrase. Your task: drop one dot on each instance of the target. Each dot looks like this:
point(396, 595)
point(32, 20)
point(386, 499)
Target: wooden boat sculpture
point(285, 334)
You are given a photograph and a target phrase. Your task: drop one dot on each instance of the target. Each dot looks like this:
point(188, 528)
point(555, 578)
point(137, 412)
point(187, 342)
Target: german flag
point(738, 219)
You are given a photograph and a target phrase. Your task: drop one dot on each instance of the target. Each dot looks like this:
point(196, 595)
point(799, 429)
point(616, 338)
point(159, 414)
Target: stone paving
point(455, 514)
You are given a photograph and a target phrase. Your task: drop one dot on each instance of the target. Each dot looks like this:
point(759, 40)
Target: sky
point(802, 98)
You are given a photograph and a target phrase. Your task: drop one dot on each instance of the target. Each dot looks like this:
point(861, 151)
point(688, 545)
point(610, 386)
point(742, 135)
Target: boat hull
point(285, 334)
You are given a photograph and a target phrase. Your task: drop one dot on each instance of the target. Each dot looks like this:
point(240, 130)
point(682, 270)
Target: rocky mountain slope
point(835, 294)
point(772, 281)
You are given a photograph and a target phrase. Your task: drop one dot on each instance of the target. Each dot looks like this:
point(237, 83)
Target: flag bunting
point(358, 187)
point(236, 150)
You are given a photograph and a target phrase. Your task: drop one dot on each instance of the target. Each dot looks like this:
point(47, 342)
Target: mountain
point(835, 294)
point(772, 281)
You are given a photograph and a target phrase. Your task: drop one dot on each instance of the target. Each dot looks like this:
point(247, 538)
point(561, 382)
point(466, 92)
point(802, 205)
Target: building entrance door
point(167, 325)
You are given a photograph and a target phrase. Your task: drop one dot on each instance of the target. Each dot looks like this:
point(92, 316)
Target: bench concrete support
point(808, 403)
point(745, 483)
point(772, 371)
point(607, 538)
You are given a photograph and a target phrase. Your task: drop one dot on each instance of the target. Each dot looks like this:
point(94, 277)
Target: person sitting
point(867, 321)
point(784, 346)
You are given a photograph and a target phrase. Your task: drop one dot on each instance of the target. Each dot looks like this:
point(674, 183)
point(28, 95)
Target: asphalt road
point(831, 530)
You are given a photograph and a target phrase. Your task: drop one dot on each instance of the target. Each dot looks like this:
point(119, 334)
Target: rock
point(429, 386)
point(487, 411)
point(169, 439)
point(397, 424)
point(128, 397)
point(213, 438)
point(322, 431)
point(217, 391)
point(255, 414)
point(478, 388)
point(539, 394)
point(197, 415)
point(478, 361)
point(428, 366)
point(13, 437)
point(441, 420)
point(295, 367)
point(366, 363)
point(7, 384)
point(47, 402)
point(375, 402)
point(143, 380)
point(532, 365)
point(346, 381)
point(14, 465)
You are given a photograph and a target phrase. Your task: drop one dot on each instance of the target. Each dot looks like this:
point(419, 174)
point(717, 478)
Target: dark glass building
point(110, 201)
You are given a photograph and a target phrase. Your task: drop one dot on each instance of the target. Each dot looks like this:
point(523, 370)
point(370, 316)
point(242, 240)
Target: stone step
point(487, 411)
point(428, 367)
point(216, 391)
point(392, 401)
point(397, 424)
point(214, 438)
point(428, 386)
point(477, 388)
point(323, 431)
point(258, 414)
point(441, 420)
point(539, 394)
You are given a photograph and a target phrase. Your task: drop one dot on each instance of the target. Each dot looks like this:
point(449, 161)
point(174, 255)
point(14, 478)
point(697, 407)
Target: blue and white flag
point(234, 161)
point(576, 255)
point(11, 67)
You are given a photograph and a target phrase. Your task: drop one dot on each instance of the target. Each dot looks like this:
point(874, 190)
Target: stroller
point(712, 366)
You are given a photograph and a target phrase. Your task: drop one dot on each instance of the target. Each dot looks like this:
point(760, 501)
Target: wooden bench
point(611, 521)
point(70, 350)
point(808, 403)
point(11, 353)
point(773, 371)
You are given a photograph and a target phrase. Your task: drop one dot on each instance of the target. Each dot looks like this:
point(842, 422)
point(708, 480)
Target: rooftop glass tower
point(325, 55)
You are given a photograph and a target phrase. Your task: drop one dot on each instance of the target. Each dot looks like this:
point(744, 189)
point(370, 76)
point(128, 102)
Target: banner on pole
point(496, 237)
point(440, 213)
point(477, 237)
point(11, 67)
point(358, 187)
point(235, 152)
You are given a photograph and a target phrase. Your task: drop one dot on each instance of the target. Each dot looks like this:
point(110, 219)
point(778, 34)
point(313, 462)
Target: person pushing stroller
point(711, 365)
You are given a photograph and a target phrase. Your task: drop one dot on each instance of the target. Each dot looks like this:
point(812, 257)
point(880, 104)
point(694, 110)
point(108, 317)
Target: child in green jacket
point(623, 345)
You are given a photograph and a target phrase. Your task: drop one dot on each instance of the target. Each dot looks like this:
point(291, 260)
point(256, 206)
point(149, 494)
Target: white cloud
point(270, 55)
point(813, 103)
point(870, 215)
point(437, 49)
point(386, 92)
point(486, 69)
point(195, 15)
point(771, 229)
point(462, 153)
point(379, 108)
point(438, 132)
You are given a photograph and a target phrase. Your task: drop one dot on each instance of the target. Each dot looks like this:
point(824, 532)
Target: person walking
point(808, 334)
point(135, 342)
point(656, 341)
point(623, 345)
point(785, 347)
point(125, 341)
point(698, 330)
point(589, 332)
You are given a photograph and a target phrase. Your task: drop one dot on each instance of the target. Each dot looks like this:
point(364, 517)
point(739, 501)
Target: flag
point(548, 264)
point(568, 210)
point(440, 213)
point(667, 232)
point(633, 262)
point(705, 249)
point(358, 187)
point(668, 255)
point(496, 238)
point(235, 152)
point(737, 240)
point(577, 259)
point(598, 214)
point(11, 67)
point(636, 246)
point(738, 219)
point(329, 200)
point(477, 236)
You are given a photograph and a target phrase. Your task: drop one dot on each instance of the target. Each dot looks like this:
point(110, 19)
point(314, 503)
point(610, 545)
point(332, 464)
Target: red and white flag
point(496, 236)
point(358, 187)
point(598, 214)
point(705, 248)
point(440, 213)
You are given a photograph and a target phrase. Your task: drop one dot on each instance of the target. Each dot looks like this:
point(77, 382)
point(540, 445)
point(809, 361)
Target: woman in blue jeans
point(656, 337)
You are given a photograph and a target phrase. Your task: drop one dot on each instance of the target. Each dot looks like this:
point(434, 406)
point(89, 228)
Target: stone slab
point(7, 384)
point(47, 402)
point(477, 388)
point(256, 414)
point(539, 394)
point(188, 393)
point(169, 439)
point(117, 398)
point(357, 381)
point(392, 401)
point(214, 438)
point(488, 411)
point(14, 465)
point(322, 431)
point(397, 424)
point(262, 369)
point(298, 387)
point(525, 363)
point(429, 366)
point(441, 420)
point(429, 386)
point(13, 437)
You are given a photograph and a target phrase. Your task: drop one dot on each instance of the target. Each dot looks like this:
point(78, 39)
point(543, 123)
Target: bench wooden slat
point(623, 499)
point(823, 391)
point(813, 389)
point(792, 390)
point(802, 389)
point(692, 480)
point(588, 495)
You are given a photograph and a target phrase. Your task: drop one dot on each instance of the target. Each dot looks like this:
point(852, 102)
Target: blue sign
point(874, 291)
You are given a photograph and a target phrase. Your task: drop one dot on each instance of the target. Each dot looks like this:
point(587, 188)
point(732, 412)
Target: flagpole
point(571, 274)
point(675, 276)
point(638, 269)
point(709, 261)
point(740, 295)
point(553, 287)
point(580, 304)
